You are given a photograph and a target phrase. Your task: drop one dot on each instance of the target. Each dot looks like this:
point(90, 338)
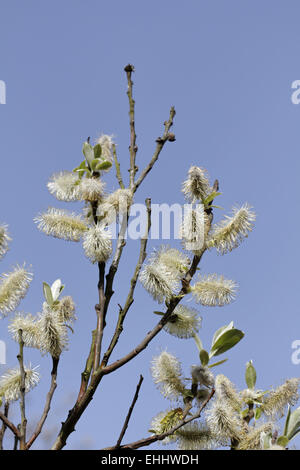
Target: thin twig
point(22, 393)
point(129, 69)
point(100, 316)
point(49, 397)
point(118, 170)
point(160, 142)
point(9, 424)
point(85, 376)
point(159, 437)
point(129, 300)
point(4, 426)
point(125, 426)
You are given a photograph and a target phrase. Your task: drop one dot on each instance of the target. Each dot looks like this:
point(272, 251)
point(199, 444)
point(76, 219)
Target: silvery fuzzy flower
point(252, 439)
point(173, 260)
point(61, 224)
point(30, 329)
point(91, 189)
point(195, 436)
point(10, 382)
point(193, 228)
point(106, 143)
point(212, 290)
point(13, 288)
point(226, 392)
point(166, 373)
point(97, 243)
point(230, 232)
point(196, 186)
point(4, 239)
point(184, 322)
point(165, 421)
point(53, 337)
point(66, 309)
point(158, 281)
point(64, 186)
point(249, 395)
point(202, 375)
point(223, 422)
point(114, 205)
point(277, 400)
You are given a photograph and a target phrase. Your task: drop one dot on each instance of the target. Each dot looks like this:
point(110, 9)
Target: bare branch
point(132, 148)
point(136, 395)
point(118, 170)
point(159, 437)
point(22, 393)
point(10, 425)
point(129, 300)
point(160, 142)
point(100, 316)
point(49, 397)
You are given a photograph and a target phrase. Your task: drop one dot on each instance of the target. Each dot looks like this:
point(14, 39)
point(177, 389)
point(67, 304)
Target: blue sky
point(227, 67)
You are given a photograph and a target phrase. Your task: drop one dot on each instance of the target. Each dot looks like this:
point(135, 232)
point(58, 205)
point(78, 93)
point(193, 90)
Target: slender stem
point(49, 397)
point(159, 437)
point(123, 311)
point(100, 316)
point(85, 376)
point(125, 426)
point(9, 424)
point(4, 426)
point(118, 170)
point(22, 393)
point(160, 142)
point(132, 148)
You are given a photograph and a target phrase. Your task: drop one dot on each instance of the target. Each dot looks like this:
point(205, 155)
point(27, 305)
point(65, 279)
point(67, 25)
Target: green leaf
point(97, 151)
point(220, 331)
point(48, 294)
point(56, 289)
point(244, 413)
point(211, 197)
point(105, 165)
point(88, 152)
point(94, 163)
point(287, 420)
point(217, 363)
point(226, 341)
point(158, 313)
point(198, 342)
point(204, 357)
point(250, 375)
point(257, 413)
point(282, 441)
point(293, 425)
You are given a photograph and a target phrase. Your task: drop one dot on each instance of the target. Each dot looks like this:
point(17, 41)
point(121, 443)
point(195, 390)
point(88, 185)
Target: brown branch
point(160, 142)
point(85, 376)
point(3, 428)
point(23, 425)
point(123, 311)
point(49, 397)
point(10, 425)
point(118, 170)
point(136, 395)
point(100, 316)
point(159, 437)
point(129, 69)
